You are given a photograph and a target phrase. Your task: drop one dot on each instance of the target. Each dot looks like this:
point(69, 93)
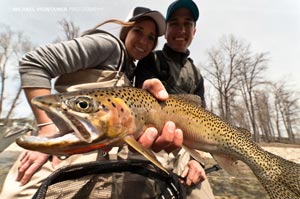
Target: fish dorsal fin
point(229, 164)
point(244, 131)
point(189, 98)
point(144, 151)
point(194, 154)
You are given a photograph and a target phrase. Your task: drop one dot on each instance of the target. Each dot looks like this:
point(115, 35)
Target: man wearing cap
point(178, 73)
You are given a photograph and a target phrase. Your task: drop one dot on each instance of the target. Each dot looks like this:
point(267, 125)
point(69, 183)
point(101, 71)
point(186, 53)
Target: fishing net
point(116, 179)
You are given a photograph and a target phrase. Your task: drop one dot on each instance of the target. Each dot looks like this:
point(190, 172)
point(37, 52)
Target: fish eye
point(83, 104)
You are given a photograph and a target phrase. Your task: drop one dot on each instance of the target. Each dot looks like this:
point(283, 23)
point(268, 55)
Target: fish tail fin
point(291, 175)
point(281, 179)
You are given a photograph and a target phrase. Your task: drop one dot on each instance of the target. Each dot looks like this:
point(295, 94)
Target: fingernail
point(178, 133)
point(152, 134)
point(170, 127)
point(163, 94)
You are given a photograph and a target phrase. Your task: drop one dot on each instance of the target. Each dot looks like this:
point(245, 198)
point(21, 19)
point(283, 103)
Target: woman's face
point(141, 39)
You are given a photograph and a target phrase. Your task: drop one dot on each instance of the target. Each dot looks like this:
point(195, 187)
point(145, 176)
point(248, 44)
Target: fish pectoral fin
point(190, 98)
point(144, 151)
point(195, 155)
point(229, 164)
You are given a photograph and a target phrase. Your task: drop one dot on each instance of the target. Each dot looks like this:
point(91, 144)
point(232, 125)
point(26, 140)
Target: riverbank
point(244, 186)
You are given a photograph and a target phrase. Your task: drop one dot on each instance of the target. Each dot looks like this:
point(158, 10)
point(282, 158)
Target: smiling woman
point(141, 39)
point(94, 52)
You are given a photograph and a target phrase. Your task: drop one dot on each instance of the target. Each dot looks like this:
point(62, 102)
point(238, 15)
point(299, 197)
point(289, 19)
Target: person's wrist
point(44, 124)
point(47, 130)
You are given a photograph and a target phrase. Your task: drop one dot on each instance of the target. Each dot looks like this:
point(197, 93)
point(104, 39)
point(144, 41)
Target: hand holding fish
point(112, 116)
point(156, 88)
point(170, 137)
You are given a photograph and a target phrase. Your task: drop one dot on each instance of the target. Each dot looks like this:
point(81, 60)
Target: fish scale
point(118, 115)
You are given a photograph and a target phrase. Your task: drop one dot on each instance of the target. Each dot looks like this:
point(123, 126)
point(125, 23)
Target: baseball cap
point(189, 4)
point(158, 18)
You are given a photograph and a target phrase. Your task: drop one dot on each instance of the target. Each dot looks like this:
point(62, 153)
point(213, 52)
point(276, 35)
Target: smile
point(139, 49)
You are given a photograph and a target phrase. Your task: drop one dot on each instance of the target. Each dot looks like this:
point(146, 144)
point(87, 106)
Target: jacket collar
point(174, 55)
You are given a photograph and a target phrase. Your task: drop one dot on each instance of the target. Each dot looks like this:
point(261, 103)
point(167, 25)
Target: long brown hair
point(126, 27)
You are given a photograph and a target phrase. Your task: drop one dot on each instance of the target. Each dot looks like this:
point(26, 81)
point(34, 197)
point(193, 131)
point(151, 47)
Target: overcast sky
point(271, 26)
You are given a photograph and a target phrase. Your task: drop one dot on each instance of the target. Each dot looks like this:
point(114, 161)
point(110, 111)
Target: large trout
point(101, 118)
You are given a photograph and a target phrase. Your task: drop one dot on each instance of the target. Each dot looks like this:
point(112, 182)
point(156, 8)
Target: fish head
point(87, 120)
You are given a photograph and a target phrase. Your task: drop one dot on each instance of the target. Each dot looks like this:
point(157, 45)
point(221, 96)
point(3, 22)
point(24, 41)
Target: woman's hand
point(31, 161)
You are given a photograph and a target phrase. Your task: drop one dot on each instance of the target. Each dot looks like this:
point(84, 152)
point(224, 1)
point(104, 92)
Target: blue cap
point(189, 4)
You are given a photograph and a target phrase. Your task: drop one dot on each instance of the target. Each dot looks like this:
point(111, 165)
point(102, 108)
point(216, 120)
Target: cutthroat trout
point(100, 118)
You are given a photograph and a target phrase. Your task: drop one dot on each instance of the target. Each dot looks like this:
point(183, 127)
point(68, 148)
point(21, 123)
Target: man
point(176, 70)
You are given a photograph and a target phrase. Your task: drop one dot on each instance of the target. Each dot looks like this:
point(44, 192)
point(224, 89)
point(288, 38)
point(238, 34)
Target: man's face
point(180, 30)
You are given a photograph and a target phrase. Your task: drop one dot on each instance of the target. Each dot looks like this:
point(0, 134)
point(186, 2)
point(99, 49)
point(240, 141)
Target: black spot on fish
point(113, 104)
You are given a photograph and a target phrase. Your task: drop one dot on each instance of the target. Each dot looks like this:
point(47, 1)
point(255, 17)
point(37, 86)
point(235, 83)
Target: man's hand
point(170, 138)
point(156, 88)
point(193, 173)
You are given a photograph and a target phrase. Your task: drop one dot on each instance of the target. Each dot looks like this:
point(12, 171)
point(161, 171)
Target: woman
point(95, 50)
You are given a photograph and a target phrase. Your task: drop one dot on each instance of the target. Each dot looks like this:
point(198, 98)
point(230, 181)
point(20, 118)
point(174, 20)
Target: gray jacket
point(175, 69)
point(99, 50)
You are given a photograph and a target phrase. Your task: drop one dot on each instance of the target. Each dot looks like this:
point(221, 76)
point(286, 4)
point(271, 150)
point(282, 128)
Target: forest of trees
point(237, 88)
point(243, 95)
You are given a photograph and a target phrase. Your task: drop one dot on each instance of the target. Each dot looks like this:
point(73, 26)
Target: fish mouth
point(66, 122)
point(76, 133)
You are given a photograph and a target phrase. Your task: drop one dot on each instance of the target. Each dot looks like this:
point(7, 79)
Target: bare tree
point(222, 71)
point(236, 72)
point(12, 46)
point(287, 110)
point(5, 53)
point(251, 74)
point(69, 29)
point(264, 115)
point(240, 115)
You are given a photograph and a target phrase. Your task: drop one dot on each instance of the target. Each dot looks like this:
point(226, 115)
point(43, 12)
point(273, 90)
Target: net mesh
point(110, 179)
